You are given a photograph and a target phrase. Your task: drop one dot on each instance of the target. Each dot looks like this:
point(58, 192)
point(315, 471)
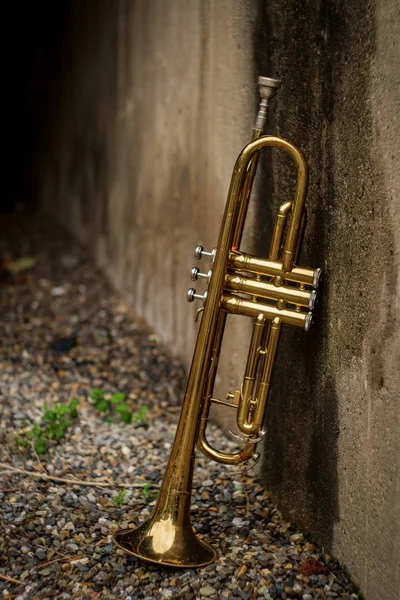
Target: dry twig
point(60, 559)
point(11, 579)
point(41, 467)
point(10, 469)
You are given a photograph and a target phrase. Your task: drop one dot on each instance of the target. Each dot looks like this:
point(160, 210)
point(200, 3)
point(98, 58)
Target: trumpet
point(273, 291)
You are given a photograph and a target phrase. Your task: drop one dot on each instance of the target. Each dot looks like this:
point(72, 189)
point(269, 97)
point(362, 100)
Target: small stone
point(58, 291)
point(207, 483)
point(206, 591)
point(40, 554)
point(266, 573)
point(196, 585)
point(79, 561)
point(184, 590)
point(72, 547)
point(238, 522)
point(69, 261)
point(241, 571)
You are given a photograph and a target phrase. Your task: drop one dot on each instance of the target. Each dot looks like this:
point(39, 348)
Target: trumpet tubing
point(261, 289)
point(273, 291)
point(248, 308)
point(239, 261)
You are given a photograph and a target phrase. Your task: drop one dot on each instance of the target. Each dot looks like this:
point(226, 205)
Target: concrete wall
point(151, 103)
point(153, 107)
point(335, 461)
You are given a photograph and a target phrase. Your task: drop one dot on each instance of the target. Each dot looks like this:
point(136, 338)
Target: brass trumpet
point(273, 291)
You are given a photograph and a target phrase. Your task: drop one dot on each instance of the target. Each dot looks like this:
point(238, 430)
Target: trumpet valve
point(195, 274)
point(199, 252)
point(192, 295)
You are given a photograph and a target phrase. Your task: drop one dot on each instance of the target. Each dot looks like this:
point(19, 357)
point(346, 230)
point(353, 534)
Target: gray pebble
point(207, 591)
point(40, 554)
point(72, 547)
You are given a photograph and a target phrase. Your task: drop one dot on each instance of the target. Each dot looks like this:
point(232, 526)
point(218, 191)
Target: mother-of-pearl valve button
point(195, 274)
point(191, 295)
point(200, 252)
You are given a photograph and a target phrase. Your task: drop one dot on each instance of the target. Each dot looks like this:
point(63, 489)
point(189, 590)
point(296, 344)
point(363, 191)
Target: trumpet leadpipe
point(239, 306)
point(262, 266)
point(263, 289)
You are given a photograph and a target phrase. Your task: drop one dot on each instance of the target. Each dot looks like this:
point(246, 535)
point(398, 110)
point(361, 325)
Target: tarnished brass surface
point(240, 261)
point(239, 306)
point(262, 289)
point(167, 537)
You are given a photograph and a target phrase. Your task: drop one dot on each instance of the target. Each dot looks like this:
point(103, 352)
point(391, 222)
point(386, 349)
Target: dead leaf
point(311, 566)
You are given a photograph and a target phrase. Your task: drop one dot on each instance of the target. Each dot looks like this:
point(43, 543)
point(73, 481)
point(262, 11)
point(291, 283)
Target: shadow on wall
point(300, 454)
point(322, 52)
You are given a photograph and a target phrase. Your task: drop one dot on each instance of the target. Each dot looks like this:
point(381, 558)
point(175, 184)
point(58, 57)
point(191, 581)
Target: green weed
point(140, 416)
point(146, 493)
point(119, 500)
point(53, 427)
point(117, 405)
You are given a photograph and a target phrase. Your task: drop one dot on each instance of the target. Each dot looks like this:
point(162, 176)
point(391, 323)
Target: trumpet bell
point(165, 542)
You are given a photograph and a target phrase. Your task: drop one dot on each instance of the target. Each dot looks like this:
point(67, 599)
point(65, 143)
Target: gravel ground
point(55, 536)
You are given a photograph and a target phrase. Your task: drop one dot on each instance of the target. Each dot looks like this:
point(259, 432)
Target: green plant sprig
point(117, 405)
point(120, 498)
point(147, 494)
point(53, 427)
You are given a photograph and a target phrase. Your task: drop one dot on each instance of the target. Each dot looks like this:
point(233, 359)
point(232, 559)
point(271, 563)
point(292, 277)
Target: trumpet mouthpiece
point(268, 87)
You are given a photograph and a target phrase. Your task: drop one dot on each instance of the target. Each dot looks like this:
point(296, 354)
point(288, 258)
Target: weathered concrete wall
point(152, 102)
point(333, 453)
